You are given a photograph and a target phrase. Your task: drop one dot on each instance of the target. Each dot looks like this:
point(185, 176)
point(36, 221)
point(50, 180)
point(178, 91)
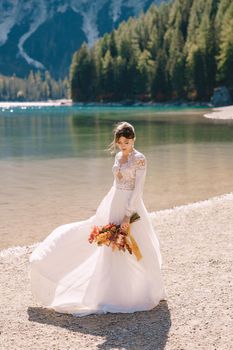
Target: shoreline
point(224, 113)
point(199, 204)
point(195, 243)
point(69, 102)
point(47, 103)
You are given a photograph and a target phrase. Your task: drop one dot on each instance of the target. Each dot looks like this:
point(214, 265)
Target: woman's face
point(124, 144)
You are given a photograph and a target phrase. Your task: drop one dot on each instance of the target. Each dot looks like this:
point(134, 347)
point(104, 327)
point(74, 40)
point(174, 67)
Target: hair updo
point(121, 129)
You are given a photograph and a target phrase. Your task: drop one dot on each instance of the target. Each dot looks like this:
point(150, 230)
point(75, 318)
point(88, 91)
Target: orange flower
point(116, 237)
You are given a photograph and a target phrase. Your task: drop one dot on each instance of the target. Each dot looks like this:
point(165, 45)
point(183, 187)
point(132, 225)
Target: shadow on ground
point(139, 330)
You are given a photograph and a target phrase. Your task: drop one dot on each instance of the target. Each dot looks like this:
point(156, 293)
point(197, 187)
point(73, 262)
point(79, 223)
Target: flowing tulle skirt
point(70, 275)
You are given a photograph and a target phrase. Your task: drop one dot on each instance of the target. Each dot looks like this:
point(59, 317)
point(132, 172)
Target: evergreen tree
point(200, 49)
point(159, 83)
point(225, 56)
point(112, 45)
point(82, 75)
point(108, 75)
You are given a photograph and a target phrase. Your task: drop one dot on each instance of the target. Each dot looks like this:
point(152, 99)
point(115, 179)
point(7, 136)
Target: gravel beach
point(196, 246)
point(221, 113)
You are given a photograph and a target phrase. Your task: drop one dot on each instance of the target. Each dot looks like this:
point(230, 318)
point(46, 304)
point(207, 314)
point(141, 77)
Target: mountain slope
point(44, 34)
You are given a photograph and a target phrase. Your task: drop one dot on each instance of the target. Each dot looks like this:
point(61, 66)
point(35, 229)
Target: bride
point(70, 275)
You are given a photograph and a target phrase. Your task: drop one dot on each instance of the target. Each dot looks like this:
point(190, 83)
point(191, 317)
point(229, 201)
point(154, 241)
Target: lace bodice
point(131, 177)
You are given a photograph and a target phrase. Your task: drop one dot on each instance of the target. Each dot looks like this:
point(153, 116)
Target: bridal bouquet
point(114, 236)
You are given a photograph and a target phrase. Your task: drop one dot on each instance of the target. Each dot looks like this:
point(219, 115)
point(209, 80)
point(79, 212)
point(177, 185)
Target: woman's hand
point(125, 223)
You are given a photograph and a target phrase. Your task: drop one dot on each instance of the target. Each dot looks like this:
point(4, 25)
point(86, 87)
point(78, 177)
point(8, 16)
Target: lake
point(55, 168)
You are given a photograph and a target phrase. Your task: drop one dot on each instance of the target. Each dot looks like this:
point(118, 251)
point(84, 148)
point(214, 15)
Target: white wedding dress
point(70, 275)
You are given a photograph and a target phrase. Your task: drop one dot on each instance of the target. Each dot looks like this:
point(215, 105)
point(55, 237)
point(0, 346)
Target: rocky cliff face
point(45, 33)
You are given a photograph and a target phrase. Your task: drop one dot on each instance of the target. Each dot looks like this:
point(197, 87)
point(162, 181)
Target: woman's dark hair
point(124, 129)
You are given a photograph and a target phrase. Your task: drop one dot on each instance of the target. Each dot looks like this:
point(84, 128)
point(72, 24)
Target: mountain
point(44, 34)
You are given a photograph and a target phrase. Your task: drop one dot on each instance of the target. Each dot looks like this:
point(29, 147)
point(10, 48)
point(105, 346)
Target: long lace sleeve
point(141, 167)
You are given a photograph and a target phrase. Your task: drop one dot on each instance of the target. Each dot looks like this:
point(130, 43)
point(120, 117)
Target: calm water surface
point(55, 169)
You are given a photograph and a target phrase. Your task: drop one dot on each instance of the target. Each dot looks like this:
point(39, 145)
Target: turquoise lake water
point(57, 132)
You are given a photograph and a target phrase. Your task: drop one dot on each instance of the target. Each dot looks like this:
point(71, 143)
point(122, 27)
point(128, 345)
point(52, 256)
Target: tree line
point(38, 86)
point(179, 50)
